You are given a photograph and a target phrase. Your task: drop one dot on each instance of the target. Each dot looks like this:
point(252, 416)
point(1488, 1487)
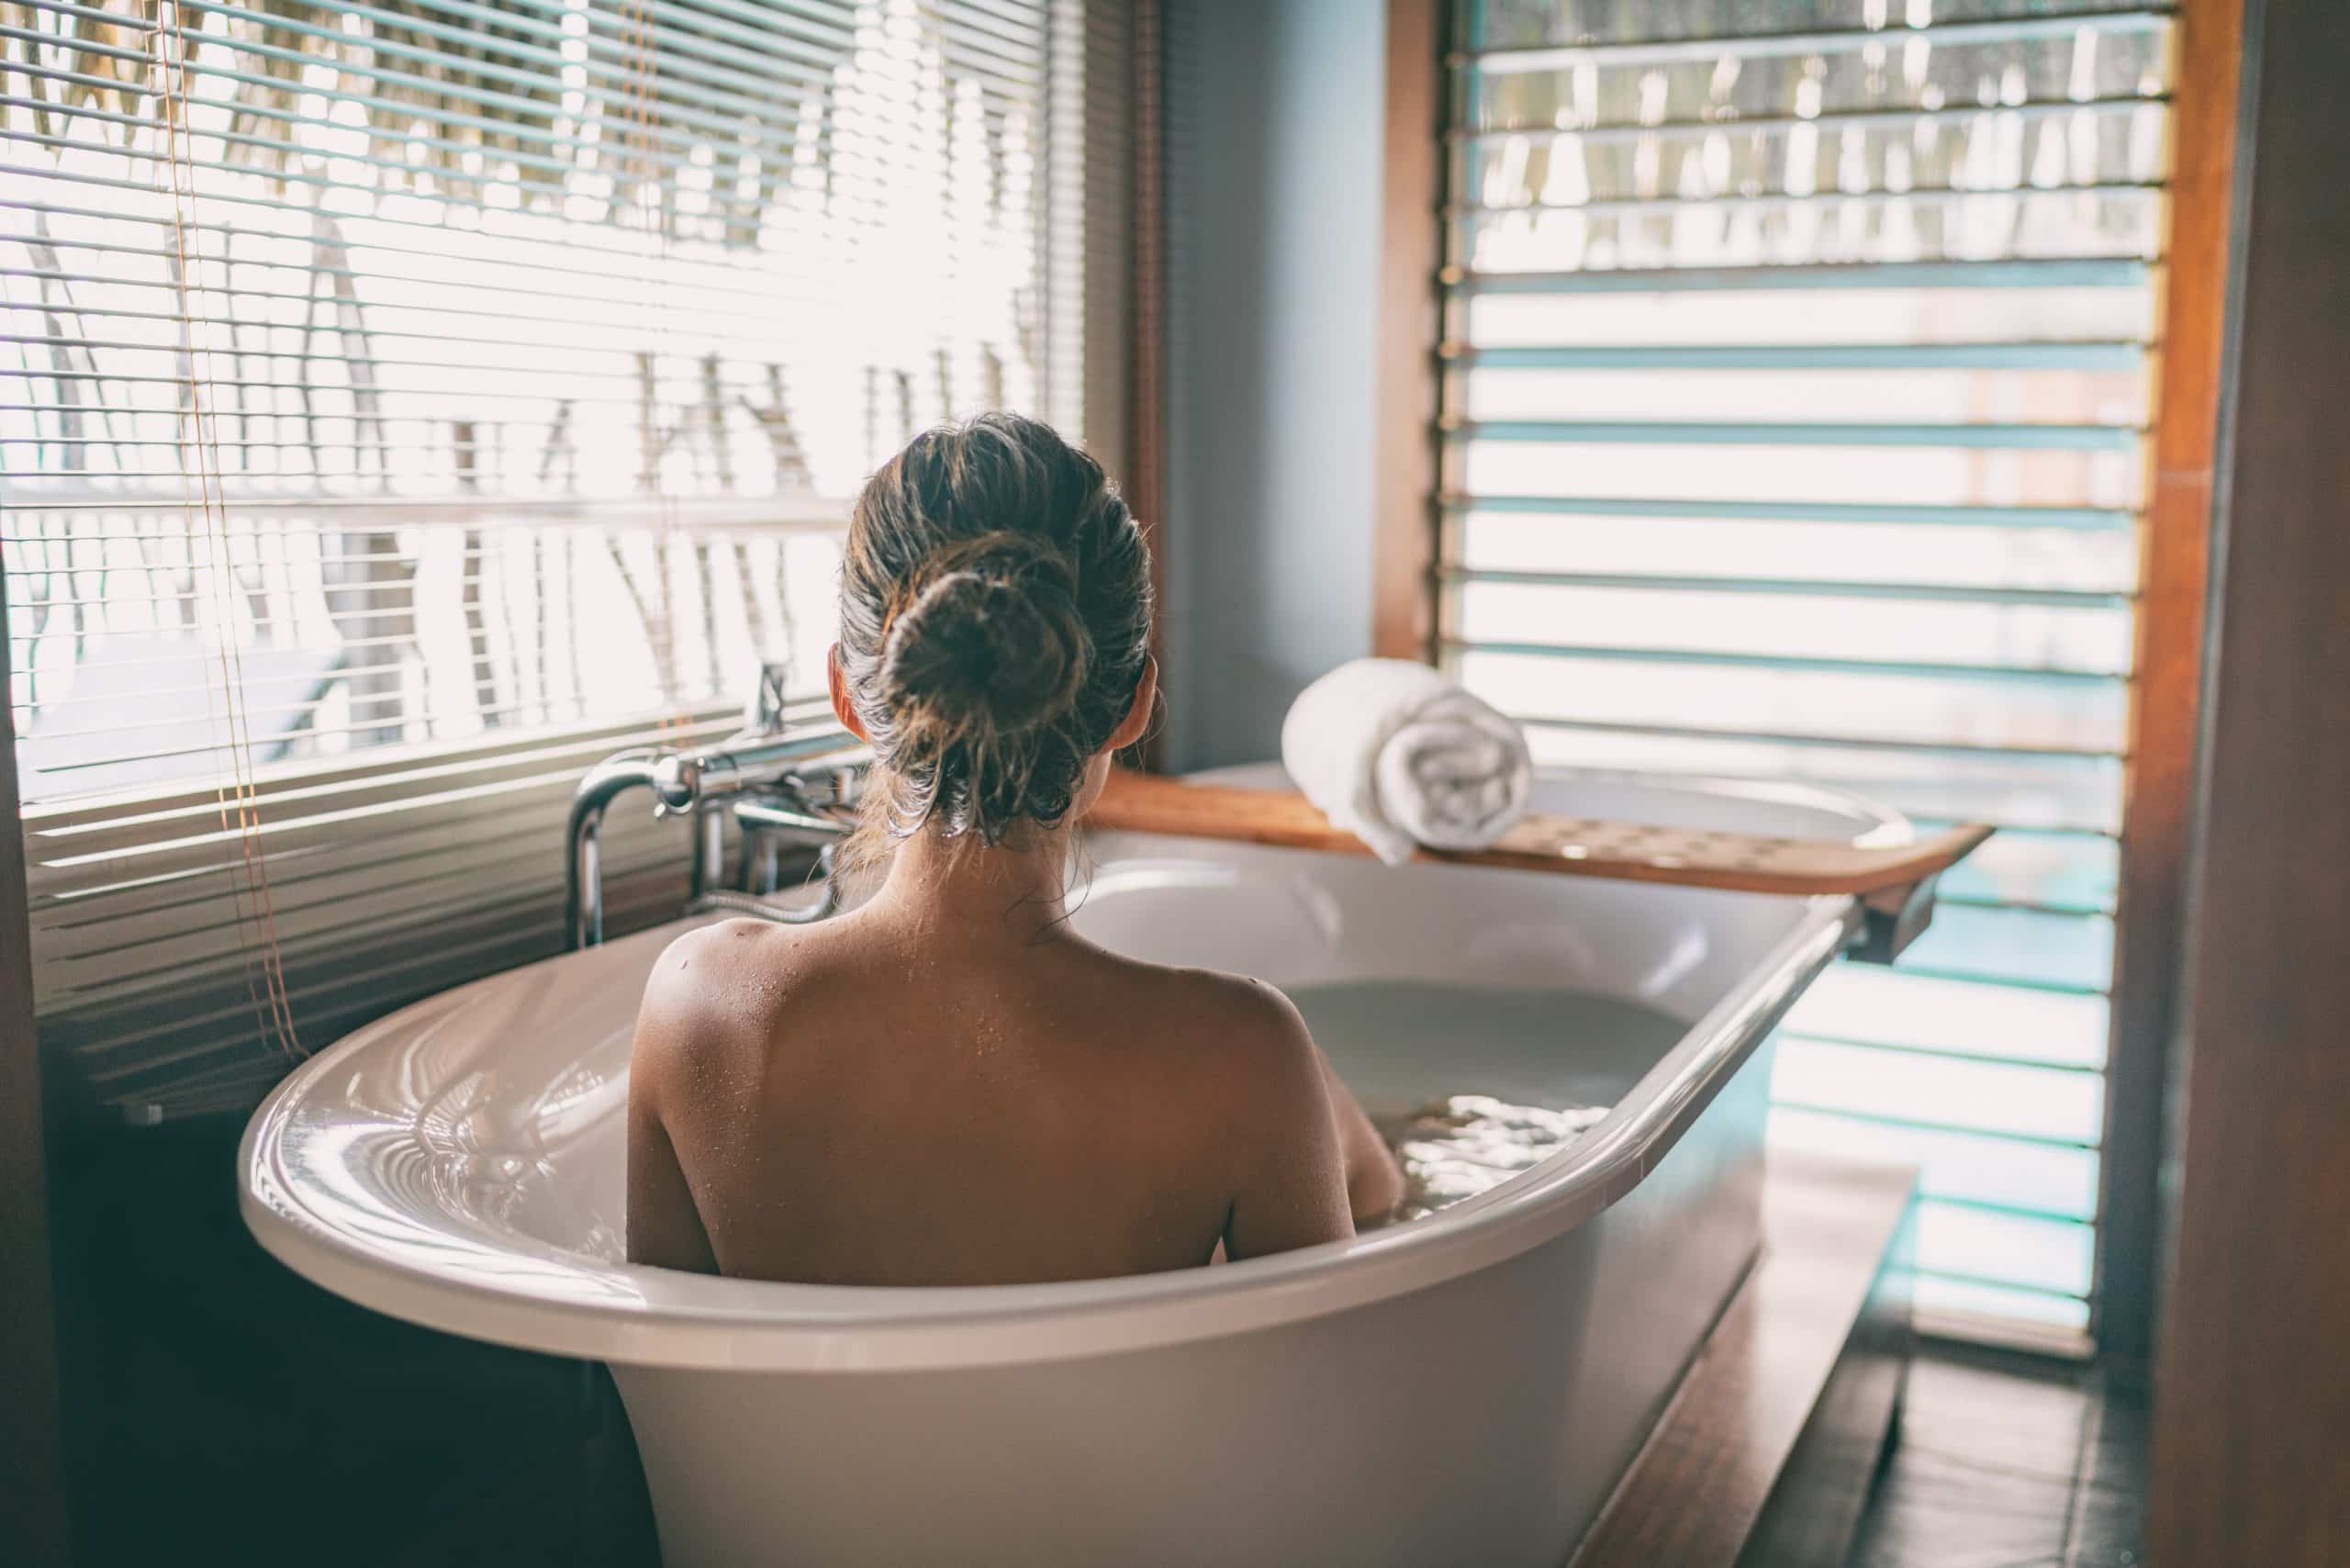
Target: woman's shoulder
point(724, 949)
point(727, 977)
point(1232, 1001)
point(1239, 1027)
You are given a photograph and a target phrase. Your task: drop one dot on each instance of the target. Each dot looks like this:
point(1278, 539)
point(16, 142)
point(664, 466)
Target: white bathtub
point(1464, 1388)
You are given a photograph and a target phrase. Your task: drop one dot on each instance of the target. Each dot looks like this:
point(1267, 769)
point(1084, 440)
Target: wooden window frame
point(1145, 482)
point(1407, 537)
point(2165, 705)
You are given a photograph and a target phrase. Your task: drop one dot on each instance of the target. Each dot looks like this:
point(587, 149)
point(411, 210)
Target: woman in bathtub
point(948, 1086)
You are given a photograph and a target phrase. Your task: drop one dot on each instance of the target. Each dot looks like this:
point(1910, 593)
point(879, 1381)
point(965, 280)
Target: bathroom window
point(404, 404)
point(1796, 392)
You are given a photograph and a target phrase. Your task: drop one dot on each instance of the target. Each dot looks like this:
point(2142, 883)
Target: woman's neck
point(939, 883)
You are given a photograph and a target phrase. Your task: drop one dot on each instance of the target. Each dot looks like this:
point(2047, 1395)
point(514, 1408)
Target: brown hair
point(995, 620)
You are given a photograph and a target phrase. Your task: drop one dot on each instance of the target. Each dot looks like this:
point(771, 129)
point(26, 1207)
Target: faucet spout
point(691, 783)
point(583, 893)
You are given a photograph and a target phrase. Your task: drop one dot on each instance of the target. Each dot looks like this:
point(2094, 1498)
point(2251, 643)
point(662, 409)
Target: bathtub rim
point(635, 1315)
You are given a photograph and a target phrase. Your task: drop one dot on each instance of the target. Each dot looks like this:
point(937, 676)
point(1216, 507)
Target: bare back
point(947, 1086)
point(876, 1100)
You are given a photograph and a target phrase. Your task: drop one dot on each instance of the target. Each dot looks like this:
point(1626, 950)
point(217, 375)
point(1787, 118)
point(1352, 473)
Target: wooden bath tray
point(1895, 883)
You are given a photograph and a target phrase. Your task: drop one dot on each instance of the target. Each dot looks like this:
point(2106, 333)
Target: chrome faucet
point(785, 790)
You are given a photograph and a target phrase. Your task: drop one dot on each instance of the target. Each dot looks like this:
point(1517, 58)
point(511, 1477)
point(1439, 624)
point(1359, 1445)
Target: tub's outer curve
point(1463, 1390)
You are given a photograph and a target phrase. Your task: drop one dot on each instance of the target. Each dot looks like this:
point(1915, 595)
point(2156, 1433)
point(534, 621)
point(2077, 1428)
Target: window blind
point(405, 404)
point(1796, 361)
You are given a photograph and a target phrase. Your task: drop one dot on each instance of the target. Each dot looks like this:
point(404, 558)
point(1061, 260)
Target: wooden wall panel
point(2252, 1435)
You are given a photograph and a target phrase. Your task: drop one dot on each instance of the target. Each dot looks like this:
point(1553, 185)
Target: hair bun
point(995, 627)
point(993, 645)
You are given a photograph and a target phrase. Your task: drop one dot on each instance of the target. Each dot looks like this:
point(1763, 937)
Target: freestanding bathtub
point(1463, 1388)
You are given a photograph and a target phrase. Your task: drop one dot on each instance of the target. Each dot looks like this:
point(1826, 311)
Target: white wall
point(1274, 126)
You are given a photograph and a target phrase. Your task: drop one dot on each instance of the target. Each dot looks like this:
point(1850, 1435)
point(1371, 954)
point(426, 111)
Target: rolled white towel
point(1399, 756)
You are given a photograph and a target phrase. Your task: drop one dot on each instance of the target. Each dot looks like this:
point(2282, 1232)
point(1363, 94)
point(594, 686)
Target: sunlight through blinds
point(1796, 375)
point(404, 404)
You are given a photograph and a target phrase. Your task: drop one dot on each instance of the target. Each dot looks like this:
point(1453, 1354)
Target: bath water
point(1471, 1085)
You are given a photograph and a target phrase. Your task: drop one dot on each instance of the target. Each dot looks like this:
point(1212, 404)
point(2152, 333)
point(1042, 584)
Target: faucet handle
point(763, 715)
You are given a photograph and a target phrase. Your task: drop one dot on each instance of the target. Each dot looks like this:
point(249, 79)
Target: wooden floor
point(2006, 1462)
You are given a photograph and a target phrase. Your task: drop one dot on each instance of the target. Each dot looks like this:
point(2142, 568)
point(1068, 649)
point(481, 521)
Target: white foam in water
point(1459, 1147)
point(1471, 1085)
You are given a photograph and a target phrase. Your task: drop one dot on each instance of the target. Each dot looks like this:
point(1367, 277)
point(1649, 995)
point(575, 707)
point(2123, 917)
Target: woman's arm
point(1315, 1166)
point(1375, 1182)
point(665, 1229)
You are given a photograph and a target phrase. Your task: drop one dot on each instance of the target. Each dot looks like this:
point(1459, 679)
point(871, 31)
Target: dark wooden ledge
point(1765, 1454)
